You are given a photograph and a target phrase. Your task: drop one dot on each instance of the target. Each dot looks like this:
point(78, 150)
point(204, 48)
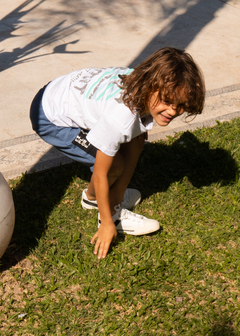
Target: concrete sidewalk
point(41, 40)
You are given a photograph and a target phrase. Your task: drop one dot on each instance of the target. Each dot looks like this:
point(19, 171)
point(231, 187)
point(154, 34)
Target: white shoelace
point(125, 214)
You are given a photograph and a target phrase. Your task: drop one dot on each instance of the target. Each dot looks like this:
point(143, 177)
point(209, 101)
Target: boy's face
point(163, 113)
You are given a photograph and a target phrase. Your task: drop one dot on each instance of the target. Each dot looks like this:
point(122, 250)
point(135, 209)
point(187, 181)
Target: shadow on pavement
point(182, 30)
point(179, 32)
point(21, 55)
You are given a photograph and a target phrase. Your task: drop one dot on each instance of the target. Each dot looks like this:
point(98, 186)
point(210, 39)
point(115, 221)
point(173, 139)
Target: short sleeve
point(107, 135)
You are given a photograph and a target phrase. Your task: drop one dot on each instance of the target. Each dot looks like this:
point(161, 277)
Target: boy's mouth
point(167, 119)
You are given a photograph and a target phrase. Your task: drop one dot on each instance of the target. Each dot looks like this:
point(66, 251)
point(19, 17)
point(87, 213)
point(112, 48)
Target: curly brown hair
point(170, 72)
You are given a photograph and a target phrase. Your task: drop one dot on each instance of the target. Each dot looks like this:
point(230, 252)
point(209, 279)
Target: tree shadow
point(12, 21)
point(35, 196)
point(160, 165)
point(179, 32)
point(23, 54)
point(222, 326)
point(182, 30)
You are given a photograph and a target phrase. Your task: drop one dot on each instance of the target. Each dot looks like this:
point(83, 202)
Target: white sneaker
point(130, 199)
point(131, 223)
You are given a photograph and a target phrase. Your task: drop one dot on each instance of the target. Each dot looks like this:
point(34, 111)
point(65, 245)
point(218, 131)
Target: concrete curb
point(207, 123)
point(226, 89)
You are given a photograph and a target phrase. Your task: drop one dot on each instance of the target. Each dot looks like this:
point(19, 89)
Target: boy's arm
point(107, 230)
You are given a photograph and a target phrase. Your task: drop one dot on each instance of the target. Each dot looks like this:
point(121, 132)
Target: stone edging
point(210, 93)
point(190, 127)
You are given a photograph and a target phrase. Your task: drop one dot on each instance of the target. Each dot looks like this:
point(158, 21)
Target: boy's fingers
point(102, 246)
point(94, 238)
point(96, 246)
point(103, 250)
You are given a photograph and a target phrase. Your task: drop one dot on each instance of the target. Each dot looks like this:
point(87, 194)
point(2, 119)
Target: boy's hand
point(105, 235)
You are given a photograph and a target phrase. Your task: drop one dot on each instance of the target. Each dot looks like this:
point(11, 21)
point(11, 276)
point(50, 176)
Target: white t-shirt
point(92, 99)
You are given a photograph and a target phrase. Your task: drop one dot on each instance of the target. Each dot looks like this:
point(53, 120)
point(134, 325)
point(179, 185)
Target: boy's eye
point(181, 107)
point(166, 102)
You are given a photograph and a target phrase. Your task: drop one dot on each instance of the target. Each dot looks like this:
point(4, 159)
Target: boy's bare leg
point(114, 172)
point(130, 153)
point(121, 170)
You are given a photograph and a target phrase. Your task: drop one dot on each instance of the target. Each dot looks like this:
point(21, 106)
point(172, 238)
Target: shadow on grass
point(35, 196)
point(160, 164)
point(222, 327)
point(121, 237)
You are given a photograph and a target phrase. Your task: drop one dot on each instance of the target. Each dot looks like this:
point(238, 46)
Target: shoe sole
point(134, 233)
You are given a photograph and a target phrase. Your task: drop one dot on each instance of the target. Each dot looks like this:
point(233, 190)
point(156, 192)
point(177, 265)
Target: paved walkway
point(42, 39)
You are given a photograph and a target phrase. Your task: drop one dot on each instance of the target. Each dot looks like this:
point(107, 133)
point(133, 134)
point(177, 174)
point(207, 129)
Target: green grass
point(182, 280)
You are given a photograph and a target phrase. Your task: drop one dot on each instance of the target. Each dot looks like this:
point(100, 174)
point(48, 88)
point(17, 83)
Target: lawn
point(182, 280)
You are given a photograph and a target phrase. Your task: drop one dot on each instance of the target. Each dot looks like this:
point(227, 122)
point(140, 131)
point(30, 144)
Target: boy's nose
point(172, 110)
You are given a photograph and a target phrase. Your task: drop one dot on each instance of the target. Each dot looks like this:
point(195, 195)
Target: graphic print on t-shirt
point(91, 99)
point(103, 83)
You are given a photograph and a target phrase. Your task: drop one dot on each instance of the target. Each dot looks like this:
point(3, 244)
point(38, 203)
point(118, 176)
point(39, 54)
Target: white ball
point(7, 215)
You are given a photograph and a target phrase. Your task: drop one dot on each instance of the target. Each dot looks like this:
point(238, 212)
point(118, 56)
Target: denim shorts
point(70, 141)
